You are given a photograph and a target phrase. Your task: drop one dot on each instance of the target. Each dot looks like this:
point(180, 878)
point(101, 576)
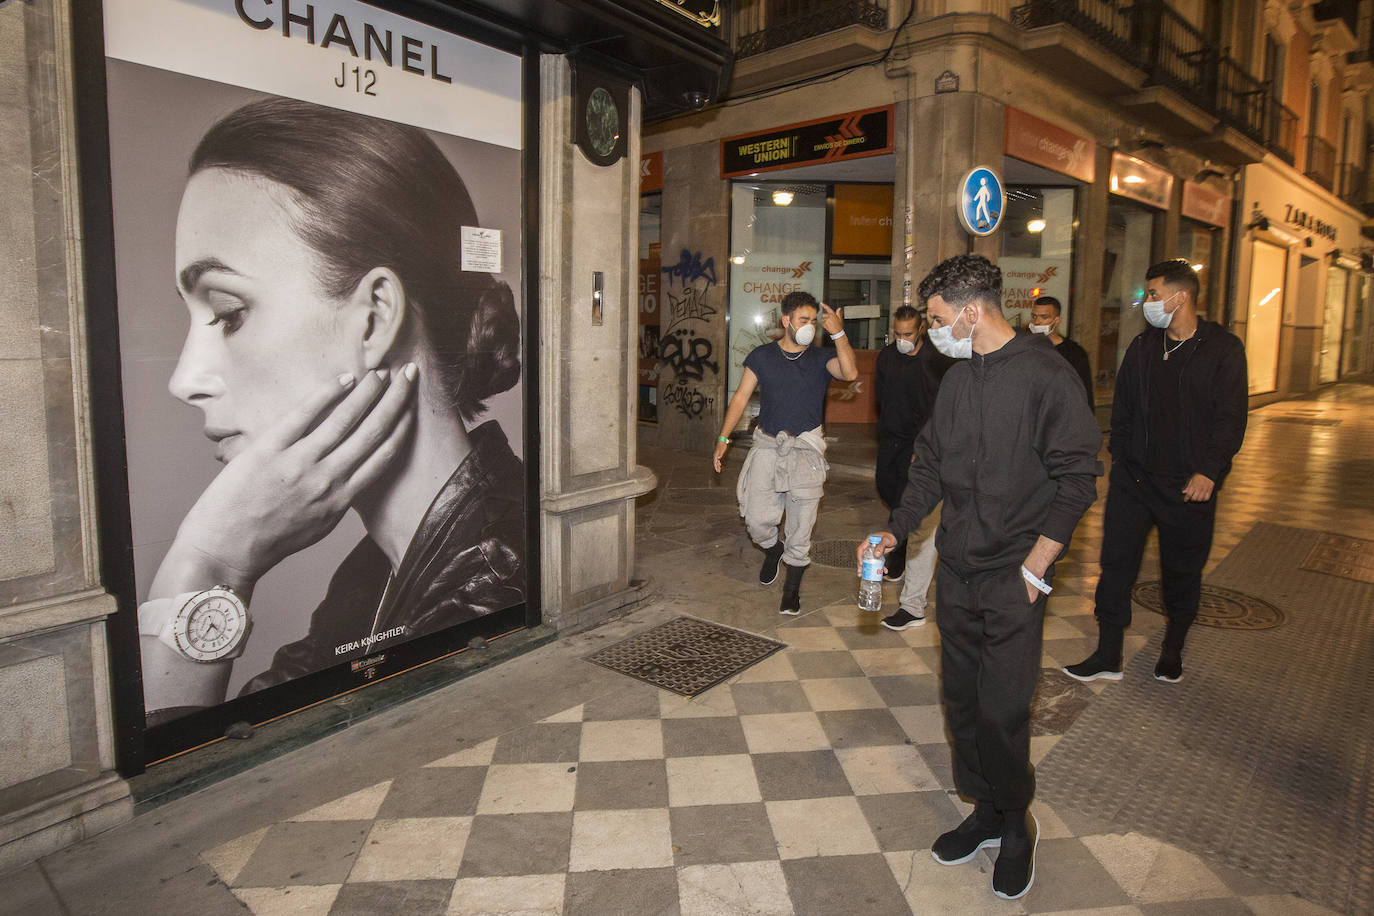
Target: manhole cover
point(836, 554)
point(1220, 607)
point(686, 655)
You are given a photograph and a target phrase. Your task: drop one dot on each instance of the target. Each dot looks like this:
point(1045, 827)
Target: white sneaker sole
point(796, 613)
point(918, 622)
point(1168, 680)
point(1099, 676)
point(1029, 884)
point(986, 844)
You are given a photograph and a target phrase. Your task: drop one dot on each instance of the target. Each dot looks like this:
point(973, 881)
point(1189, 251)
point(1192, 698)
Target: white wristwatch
point(210, 625)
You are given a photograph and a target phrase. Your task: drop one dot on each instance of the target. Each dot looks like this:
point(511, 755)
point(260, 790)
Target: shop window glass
point(1333, 323)
point(1352, 358)
point(1200, 245)
point(1130, 231)
point(1037, 251)
point(1265, 315)
point(777, 246)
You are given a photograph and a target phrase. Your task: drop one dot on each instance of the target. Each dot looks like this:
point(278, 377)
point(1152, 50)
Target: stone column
point(970, 127)
point(694, 299)
point(57, 780)
point(588, 221)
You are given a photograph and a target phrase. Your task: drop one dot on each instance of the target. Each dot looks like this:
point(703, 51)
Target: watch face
point(211, 625)
point(603, 121)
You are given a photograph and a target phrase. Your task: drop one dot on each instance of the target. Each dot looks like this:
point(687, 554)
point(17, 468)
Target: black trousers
point(891, 474)
point(1137, 502)
point(990, 637)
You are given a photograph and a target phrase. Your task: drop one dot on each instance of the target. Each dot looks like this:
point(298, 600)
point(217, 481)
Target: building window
point(1037, 251)
point(1128, 254)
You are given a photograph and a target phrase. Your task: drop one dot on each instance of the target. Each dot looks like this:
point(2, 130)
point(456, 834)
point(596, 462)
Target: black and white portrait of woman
point(341, 363)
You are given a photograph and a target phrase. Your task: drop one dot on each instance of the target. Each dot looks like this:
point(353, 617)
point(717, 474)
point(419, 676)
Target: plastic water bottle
point(871, 578)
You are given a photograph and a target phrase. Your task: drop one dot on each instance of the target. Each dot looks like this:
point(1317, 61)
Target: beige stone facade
point(953, 71)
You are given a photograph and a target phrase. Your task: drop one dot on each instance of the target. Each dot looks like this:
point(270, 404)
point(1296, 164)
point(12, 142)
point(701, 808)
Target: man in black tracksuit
point(1178, 417)
point(906, 377)
point(1012, 451)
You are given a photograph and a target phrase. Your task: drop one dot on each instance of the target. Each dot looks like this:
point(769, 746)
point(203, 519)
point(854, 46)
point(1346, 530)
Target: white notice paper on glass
point(482, 249)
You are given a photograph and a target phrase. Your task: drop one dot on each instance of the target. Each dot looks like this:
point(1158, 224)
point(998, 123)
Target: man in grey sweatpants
point(784, 474)
point(1012, 451)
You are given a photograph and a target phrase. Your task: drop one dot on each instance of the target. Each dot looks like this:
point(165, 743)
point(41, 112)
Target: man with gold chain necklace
point(1178, 418)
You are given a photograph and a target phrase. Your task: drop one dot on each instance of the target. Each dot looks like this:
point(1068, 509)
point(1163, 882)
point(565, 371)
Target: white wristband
point(1035, 580)
point(837, 335)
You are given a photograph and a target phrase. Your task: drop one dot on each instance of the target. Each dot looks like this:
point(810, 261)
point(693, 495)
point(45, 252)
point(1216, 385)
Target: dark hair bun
point(491, 364)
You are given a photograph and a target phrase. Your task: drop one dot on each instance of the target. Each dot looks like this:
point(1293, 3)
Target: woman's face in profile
point(263, 333)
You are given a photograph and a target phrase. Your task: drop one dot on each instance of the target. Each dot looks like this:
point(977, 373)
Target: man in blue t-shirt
point(785, 471)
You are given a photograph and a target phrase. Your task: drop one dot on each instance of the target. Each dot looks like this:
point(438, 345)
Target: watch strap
point(155, 614)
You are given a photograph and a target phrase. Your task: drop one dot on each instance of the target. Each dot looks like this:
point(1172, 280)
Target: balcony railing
point(1352, 188)
point(1152, 35)
point(1109, 23)
point(763, 25)
point(1321, 161)
point(1175, 54)
point(1281, 130)
point(1240, 99)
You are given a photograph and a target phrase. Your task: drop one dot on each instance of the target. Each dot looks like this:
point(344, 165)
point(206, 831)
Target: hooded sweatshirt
point(1012, 450)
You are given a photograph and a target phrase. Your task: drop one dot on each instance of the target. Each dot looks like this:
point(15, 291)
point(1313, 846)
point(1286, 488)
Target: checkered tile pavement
point(814, 781)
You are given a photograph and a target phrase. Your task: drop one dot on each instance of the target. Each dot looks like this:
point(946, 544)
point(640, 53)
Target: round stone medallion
point(1223, 608)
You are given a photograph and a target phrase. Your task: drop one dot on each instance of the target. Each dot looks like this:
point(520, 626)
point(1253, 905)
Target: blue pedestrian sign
point(981, 201)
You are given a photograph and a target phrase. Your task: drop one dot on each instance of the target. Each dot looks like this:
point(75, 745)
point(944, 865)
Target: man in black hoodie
point(1178, 417)
point(1012, 450)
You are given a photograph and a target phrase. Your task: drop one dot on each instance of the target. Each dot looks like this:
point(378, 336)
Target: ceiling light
point(1035, 225)
point(1197, 268)
point(1133, 179)
point(737, 259)
point(782, 198)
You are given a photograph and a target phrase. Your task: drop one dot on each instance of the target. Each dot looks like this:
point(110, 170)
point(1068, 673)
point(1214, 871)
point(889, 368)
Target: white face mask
point(804, 334)
point(905, 347)
point(951, 346)
point(1155, 314)
point(1041, 328)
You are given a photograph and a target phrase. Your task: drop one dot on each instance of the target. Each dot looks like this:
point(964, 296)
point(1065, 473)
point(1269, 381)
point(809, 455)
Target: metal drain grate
point(836, 554)
point(686, 655)
point(1338, 555)
point(1220, 607)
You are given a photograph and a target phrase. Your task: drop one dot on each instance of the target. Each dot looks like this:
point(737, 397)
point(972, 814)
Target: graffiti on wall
point(685, 346)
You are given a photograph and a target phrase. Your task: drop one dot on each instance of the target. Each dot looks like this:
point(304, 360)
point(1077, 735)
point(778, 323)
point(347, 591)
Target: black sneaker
point(1095, 667)
point(905, 620)
point(963, 842)
point(1169, 668)
point(1014, 872)
point(768, 572)
point(892, 575)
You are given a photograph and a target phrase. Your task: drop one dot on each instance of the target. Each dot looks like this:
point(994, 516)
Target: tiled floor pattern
point(813, 782)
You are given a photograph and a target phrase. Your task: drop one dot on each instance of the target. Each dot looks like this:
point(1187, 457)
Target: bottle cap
point(874, 539)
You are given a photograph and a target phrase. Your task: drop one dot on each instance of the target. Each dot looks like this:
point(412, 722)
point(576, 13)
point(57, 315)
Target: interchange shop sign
point(834, 139)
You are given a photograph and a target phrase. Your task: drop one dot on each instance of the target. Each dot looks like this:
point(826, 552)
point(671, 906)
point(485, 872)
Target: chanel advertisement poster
point(318, 257)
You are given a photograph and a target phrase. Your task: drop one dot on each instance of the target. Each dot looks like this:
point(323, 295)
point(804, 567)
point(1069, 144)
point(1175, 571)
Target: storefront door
point(1265, 311)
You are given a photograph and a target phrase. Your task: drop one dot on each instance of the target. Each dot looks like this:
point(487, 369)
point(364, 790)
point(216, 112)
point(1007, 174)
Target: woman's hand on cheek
point(291, 487)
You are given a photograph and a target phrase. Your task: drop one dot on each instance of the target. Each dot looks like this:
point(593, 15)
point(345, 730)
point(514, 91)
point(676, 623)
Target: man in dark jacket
point(1012, 451)
point(1046, 316)
point(907, 376)
point(1177, 419)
